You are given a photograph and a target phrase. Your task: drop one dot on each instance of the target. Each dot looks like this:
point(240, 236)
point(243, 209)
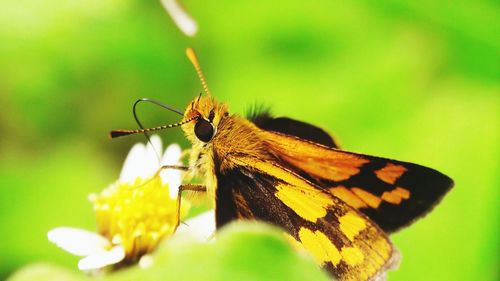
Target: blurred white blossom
point(181, 18)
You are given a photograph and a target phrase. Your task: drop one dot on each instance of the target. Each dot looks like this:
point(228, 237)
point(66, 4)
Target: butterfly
point(337, 205)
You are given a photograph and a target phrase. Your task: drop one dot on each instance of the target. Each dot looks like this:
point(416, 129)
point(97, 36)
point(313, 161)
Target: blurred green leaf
point(46, 272)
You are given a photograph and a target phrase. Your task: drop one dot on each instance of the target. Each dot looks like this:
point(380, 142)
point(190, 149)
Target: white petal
point(152, 157)
point(132, 167)
point(201, 227)
point(102, 259)
point(172, 155)
point(146, 261)
point(77, 241)
point(172, 177)
point(142, 161)
point(155, 147)
point(181, 18)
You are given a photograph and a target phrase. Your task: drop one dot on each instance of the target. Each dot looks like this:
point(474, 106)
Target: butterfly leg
point(181, 188)
point(174, 167)
point(186, 187)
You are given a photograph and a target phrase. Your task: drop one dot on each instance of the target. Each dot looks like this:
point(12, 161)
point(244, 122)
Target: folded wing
point(341, 239)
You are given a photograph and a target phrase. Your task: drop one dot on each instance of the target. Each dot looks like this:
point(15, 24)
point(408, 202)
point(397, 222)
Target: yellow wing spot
point(390, 173)
point(370, 199)
point(319, 246)
point(298, 194)
point(348, 196)
point(306, 201)
point(276, 171)
point(351, 224)
point(396, 195)
point(352, 256)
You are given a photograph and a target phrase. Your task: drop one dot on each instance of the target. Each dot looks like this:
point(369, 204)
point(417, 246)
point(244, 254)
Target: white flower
point(181, 18)
point(97, 251)
point(142, 162)
point(201, 227)
point(133, 214)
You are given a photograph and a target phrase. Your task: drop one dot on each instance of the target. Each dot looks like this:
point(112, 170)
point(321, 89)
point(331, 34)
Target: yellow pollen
point(137, 216)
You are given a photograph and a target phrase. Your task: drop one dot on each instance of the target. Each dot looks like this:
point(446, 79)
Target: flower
point(200, 227)
point(133, 214)
point(181, 18)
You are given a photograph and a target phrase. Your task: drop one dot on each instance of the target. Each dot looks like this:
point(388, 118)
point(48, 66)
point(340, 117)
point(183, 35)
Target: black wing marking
point(292, 127)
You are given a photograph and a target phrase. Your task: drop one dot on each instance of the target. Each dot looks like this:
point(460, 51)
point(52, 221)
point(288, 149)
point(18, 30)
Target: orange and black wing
point(392, 193)
point(342, 240)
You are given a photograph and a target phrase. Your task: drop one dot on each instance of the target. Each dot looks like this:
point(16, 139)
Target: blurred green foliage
point(411, 80)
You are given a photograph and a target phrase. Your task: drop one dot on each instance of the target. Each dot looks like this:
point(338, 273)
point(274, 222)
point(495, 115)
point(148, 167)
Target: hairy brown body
point(234, 135)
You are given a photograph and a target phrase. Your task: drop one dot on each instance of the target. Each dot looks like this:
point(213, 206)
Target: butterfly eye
point(204, 130)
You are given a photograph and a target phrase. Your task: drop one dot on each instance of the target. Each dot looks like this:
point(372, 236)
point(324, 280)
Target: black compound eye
point(204, 130)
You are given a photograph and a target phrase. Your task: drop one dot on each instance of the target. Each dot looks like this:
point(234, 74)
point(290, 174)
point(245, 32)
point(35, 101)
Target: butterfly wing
point(293, 127)
point(341, 239)
point(392, 193)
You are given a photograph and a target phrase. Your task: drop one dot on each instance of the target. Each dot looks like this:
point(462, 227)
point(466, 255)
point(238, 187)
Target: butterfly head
point(206, 115)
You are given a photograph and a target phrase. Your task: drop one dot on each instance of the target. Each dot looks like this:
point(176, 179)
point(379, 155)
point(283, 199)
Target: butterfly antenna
point(136, 117)
point(121, 133)
point(194, 60)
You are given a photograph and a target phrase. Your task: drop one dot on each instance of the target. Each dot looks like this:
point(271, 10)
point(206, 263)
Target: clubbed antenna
point(194, 60)
point(120, 133)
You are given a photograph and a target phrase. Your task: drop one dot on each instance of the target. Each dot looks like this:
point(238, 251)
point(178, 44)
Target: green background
point(410, 80)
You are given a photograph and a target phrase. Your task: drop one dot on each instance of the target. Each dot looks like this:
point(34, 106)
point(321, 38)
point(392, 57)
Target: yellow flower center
point(137, 216)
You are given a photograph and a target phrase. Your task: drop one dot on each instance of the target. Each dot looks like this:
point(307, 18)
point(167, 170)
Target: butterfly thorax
point(233, 135)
